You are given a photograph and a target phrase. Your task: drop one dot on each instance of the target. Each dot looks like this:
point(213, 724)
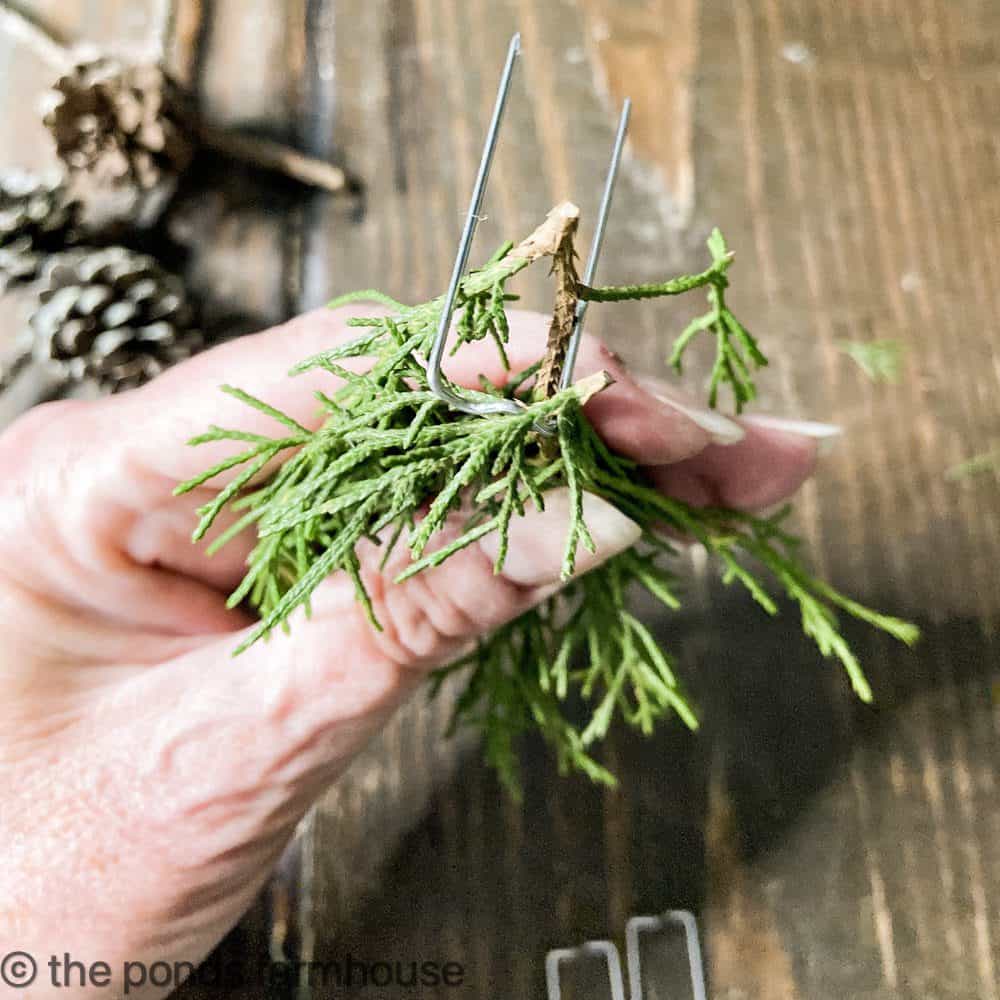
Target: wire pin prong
point(672, 918)
point(605, 949)
point(435, 377)
point(639, 988)
point(438, 384)
point(596, 243)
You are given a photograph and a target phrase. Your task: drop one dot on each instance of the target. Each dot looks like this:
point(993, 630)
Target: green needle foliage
point(988, 461)
point(736, 352)
point(880, 360)
point(389, 463)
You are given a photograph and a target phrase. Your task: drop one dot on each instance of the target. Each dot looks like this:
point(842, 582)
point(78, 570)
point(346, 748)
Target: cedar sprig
point(737, 353)
point(880, 360)
point(626, 674)
point(984, 462)
point(389, 461)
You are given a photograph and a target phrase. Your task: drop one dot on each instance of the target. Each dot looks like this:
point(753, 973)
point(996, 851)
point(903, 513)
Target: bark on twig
point(269, 155)
point(563, 310)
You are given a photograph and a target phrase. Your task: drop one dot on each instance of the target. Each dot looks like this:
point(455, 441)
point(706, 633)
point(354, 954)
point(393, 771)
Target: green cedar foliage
point(390, 462)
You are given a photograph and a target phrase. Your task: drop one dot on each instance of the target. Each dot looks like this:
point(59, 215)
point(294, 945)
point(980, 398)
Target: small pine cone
point(111, 315)
point(126, 126)
point(37, 217)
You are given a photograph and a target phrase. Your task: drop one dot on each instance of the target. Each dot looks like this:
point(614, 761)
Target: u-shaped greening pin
point(439, 385)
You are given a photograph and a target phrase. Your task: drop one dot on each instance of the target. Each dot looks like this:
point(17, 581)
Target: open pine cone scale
point(112, 315)
point(120, 123)
point(37, 216)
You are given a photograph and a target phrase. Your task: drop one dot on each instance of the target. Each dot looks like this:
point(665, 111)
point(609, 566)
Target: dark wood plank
point(863, 180)
point(850, 155)
point(239, 226)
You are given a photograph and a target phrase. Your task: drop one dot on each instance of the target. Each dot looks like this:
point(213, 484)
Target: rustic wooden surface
point(851, 154)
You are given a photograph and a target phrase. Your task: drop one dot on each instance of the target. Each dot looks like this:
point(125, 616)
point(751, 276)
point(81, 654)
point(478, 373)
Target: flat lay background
point(851, 154)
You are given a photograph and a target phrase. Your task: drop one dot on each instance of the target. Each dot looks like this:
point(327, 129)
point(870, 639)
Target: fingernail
point(825, 435)
point(537, 540)
point(719, 427)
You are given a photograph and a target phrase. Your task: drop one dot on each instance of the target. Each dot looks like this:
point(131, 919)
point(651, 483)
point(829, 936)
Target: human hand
point(149, 780)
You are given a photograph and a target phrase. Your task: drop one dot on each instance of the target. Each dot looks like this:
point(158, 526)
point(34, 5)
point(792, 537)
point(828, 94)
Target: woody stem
point(275, 156)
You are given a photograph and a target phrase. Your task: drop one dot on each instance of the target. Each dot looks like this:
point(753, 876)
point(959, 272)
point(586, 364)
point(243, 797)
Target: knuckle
point(432, 614)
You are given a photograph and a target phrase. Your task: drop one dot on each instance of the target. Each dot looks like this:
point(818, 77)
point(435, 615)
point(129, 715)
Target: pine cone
point(124, 125)
point(37, 217)
point(111, 315)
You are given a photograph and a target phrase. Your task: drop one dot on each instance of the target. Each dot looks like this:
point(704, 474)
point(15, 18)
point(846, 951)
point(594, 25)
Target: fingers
point(290, 712)
point(144, 433)
point(186, 400)
point(149, 428)
point(767, 466)
point(159, 535)
point(70, 511)
point(431, 617)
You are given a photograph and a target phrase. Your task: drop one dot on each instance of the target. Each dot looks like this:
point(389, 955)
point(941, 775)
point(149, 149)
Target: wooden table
point(851, 154)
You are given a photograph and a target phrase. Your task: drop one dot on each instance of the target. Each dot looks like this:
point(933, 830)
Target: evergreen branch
point(366, 295)
point(390, 459)
point(259, 404)
point(563, 314)
point(737, 353)
point(657, 290)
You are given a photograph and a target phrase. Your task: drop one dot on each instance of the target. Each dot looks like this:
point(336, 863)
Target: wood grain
point(851, 154)
point(648, 50)
point(848, 154)
point(132, 27)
